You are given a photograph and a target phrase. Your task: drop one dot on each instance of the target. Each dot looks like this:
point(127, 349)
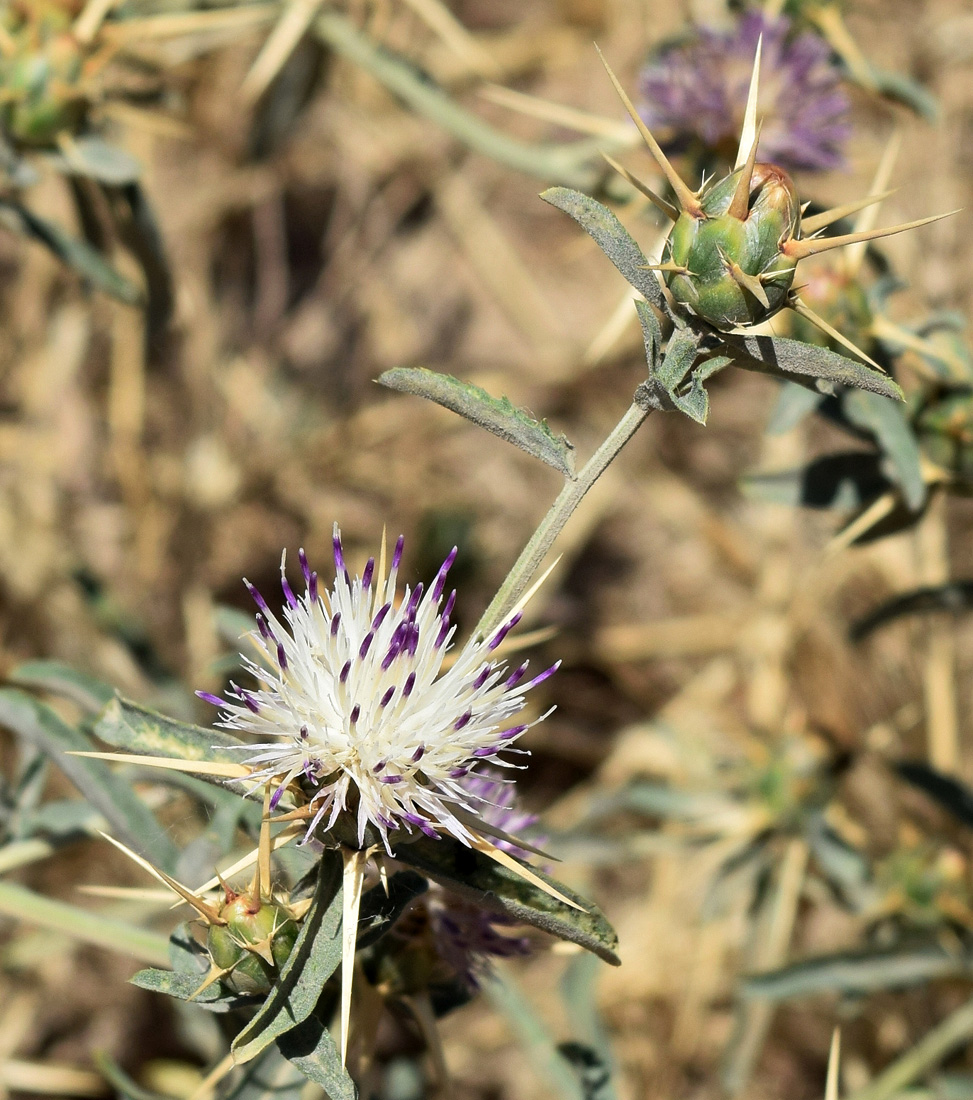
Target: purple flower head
point(467, 938)
point(695, 91)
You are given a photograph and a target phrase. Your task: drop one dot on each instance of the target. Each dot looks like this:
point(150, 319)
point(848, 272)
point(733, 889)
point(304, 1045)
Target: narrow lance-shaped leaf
point(61, 679)
point(954, 796)
point(496, 415)
point(800, 362)
point(612, 238)
point(127, 814)
point(479, 879)
point(857, 972)
point(310, 1048)
point(76, 254)
point(955, 597)
point(126, 725)
point(887, 422)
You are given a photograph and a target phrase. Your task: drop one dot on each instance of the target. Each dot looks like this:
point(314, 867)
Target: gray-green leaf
point(315, 957)
point(857, 973)
point(496, 415)
point(485, 882)
point(794, 360)
point(612, 238)
point(130, 819)
point(128, 726)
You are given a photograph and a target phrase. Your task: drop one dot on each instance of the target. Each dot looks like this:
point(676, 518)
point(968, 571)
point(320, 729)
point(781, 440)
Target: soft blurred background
point(718, 738)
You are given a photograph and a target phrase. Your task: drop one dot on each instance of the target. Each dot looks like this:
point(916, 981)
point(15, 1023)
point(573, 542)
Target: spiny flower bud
point(726, 262)
point(253, 944)
point(734, 245)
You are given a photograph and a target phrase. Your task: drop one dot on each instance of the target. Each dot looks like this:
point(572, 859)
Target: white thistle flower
point(355, 705)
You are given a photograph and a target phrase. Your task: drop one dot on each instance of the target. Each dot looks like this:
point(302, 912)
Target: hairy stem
point(526, 566)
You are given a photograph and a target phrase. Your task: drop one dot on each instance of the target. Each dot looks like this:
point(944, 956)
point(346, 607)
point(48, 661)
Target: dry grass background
point(134, 495)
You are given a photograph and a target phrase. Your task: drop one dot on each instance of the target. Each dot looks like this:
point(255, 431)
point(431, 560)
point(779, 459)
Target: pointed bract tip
point(687, 199)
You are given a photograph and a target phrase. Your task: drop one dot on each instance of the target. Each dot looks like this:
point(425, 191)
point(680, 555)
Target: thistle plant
point(363, 731)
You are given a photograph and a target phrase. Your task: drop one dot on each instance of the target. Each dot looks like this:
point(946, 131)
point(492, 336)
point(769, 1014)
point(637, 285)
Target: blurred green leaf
point(81, 924)
point(76, 254)
point(887, 422)
point(905, 90)
point(496, 415)
point(61, 679)
point(954, 597)
point(130, 819)
point(794, 403)
point(857, 972)
point(954, 796)
point(525, 1022)
point(592, 1057)
point(94, 158)
point(845, 482)
point(120, 1081)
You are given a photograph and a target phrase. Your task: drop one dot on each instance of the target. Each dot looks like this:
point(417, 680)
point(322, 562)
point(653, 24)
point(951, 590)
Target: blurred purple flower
point(697, 91)
point(466, 937)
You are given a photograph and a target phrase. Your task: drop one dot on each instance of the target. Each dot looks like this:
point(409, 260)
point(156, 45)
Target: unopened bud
point(727, 264)
point(254, 944)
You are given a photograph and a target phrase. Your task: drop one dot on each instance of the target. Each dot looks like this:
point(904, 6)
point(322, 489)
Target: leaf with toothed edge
point(612, 238)
point(316, 955)
point(479, 879)
point(496, 415)
point(800, 362)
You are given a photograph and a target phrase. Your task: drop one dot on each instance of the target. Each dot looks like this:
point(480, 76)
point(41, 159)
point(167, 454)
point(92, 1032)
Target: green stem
point(82, 924)
point(930, 1050)
point(575, 164)
point(524, 568)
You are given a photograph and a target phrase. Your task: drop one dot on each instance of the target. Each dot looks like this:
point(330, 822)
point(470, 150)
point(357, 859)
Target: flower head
point(697, 91)
point(358, 707)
